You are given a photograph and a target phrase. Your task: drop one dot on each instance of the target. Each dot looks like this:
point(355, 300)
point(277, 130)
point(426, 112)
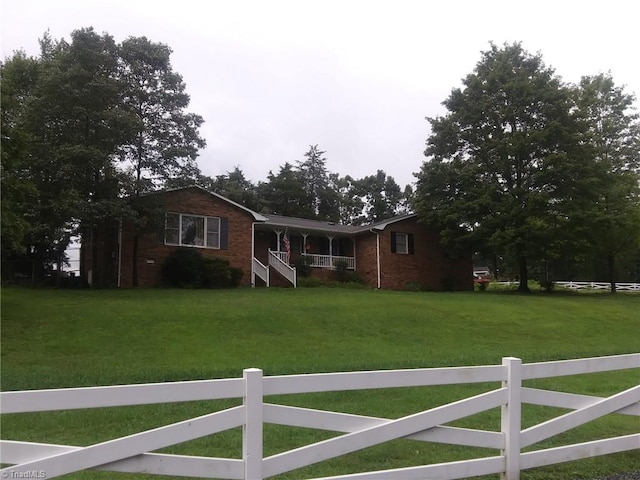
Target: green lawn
point(61, 338)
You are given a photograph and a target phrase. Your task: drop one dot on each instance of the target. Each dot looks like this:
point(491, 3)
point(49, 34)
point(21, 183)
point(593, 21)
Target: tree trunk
point(134, 270)
point(611, 261)
point(524, 274)
point(95, 262)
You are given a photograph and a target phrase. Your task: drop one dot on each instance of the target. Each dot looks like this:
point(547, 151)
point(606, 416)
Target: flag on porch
point(287, 246)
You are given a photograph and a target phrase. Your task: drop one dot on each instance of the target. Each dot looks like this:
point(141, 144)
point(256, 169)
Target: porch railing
point(283, 268)
point(261, 271)
point(330, 261)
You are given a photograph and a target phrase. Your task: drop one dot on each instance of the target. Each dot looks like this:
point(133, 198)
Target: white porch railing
point(283, 268)
point(282, 256)
point(261, 271)
point(130, 454)
point(330, 261)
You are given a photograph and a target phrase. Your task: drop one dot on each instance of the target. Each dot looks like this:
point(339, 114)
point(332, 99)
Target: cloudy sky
point(355, 77)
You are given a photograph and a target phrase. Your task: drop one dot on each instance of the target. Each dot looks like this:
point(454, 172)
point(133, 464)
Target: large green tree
point(284, 194)
point(235, 186)
point(612, 136)
point(88, 126)
point(18, 76)
point(503, 160)
point(70, 113)
point(166, 136)
point(382, 196)
point(314, 178)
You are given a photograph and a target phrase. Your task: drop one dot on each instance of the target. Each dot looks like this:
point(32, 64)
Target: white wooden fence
point(130, 453)
point(621, 287)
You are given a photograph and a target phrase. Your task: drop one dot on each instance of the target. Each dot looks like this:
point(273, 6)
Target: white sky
point(356, 77)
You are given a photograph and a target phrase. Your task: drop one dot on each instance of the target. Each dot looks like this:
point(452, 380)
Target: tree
point(383, 197)
point(235, 186)
point(67, 117)
point(350, 203)
point(314, 177)
point(504, 159)
point(284, 194)
point(166, 138)
point(17, 80)
point(612, 134)
point(72, 123)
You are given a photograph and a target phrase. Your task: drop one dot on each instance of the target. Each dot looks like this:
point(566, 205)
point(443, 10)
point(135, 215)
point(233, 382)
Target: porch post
point(330, 250)
point(253, 254)
point(278, 233)
point(353, 240)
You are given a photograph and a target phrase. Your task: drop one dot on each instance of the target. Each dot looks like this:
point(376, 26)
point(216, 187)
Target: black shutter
point(224, 233)
point(393, 242)
point(410, 240)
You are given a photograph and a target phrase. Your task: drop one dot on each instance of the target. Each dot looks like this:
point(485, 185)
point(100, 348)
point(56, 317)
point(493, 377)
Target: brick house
point(397, 253)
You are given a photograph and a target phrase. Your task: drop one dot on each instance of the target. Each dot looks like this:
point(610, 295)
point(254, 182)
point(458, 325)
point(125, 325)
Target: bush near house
point(188, 268)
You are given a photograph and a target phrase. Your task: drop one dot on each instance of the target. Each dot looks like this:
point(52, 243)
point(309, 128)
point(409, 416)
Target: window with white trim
point(402, 243)
point(192, 230)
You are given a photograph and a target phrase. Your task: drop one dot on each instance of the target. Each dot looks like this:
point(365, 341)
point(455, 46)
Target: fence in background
point(621, 287)
point(130, 453)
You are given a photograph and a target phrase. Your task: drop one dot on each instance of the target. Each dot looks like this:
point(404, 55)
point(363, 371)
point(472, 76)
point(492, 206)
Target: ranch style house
point(398, 253)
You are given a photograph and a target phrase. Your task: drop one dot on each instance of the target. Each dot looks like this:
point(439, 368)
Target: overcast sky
point(355, 77)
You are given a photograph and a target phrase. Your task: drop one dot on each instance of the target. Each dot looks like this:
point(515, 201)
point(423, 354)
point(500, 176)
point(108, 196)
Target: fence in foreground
point(131, 453)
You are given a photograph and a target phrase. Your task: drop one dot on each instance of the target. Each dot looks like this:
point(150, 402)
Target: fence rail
point(622, 287)
point(131, 453)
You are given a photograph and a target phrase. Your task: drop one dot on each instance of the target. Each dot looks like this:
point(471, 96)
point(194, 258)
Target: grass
point(58, 338)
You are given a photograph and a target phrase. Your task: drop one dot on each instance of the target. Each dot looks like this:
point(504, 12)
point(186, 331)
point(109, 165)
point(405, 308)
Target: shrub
point(310, 282)
point(188, 268)
point(414, 287)
point(547, 285)
point(448, 284)
point(303, 265)
point(183, 268)
point(344, 275)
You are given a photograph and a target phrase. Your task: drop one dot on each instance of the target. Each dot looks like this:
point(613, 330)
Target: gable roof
point(381, 225)
point(302, 223)
point(256, 216)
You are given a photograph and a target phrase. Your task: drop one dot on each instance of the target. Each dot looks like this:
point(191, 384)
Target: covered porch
point(286, 245)
point(314, 249)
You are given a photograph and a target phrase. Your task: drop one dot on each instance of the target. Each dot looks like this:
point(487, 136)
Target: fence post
point(252, 428)
point(511, 418)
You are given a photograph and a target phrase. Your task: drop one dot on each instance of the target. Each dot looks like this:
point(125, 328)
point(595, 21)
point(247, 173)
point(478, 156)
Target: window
point(402, 243)
point(192, 230)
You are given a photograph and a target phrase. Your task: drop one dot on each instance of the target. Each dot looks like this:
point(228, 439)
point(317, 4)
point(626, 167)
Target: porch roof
point(306, 225)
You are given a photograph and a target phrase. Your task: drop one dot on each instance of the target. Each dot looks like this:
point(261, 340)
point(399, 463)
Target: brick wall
point(151, 248)
point(430, 267)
